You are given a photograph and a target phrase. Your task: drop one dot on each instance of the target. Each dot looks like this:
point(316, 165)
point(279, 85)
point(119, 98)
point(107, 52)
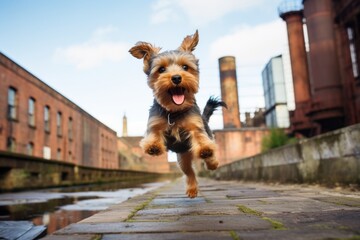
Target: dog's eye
point(185, 67)
point(161, 69)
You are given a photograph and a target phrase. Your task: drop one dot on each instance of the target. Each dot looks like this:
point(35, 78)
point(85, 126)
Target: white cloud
point(199, 12)
point(162, 11)
point(93, 52)
point(204, 11)
point(252, 45)
point(103, 32)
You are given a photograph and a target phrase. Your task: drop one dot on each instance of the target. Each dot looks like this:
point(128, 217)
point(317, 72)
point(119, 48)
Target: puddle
point(58, 207)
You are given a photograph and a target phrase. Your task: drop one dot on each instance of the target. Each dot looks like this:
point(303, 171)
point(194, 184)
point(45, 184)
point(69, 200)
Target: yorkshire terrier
point(175, 122)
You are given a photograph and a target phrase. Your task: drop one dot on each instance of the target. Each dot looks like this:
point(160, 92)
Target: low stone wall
point(331, 158)
point(18, 171)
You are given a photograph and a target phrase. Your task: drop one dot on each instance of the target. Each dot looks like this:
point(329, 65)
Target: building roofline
point(12, 65)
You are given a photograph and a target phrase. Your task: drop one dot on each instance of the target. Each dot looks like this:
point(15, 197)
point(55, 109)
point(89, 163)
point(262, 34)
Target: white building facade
point(275, 94)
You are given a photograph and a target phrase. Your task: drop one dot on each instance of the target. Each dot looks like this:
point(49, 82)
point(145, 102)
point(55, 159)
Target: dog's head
point(172, 75)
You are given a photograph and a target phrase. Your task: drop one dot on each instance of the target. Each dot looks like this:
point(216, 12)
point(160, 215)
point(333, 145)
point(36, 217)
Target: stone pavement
point(226, 210)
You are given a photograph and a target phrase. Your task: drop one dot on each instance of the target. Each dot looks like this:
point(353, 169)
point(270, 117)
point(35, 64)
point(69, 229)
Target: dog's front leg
point(201, 145)
point(204, 148)
point(154, 143)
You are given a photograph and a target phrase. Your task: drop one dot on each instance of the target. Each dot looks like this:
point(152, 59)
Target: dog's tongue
point(178, 98)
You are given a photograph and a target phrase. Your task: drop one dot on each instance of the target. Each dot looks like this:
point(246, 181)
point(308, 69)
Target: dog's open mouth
point(177, 95)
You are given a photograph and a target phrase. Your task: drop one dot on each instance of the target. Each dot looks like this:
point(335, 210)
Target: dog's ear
point(144, 50)
point(189, 43)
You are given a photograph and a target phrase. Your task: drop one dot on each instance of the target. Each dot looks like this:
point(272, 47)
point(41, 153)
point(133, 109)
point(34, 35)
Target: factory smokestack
point(229, 92)
point(327, 103)
point(294, 22)
point(292, 13)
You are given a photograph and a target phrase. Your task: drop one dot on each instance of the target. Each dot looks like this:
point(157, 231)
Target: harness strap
point(172, 117)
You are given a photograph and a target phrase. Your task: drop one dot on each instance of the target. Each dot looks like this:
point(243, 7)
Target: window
point(58, 154)
point(59, 123)
point(47, 119)
point(11, 144)
point(31, 112)
point(12, 104)
point(30, 148)
point(70, 129)
point(47, 152)
point(355, 66)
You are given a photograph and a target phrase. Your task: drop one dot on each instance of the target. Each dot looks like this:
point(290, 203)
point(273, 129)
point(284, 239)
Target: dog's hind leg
point(185, 163)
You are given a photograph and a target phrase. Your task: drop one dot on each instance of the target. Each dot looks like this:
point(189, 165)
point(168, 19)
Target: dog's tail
point(212, 104)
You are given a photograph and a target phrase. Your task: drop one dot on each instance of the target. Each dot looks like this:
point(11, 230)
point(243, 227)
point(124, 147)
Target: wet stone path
point(226, 210)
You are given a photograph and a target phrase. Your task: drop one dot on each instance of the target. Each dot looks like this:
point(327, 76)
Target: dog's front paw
point(155, 149)
point(212, 164)
point(192, 192)
point(152, 146)
point(206, 152)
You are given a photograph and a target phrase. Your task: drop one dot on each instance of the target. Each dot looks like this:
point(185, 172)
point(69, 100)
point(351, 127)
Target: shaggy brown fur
point(175, 122)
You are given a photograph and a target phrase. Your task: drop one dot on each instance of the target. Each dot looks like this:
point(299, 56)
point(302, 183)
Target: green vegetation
point(234, 236)
point(96, 237)
point(138, 208)
point(276, 138)
point(262, 201)
point(247, 210)
point(276, 225)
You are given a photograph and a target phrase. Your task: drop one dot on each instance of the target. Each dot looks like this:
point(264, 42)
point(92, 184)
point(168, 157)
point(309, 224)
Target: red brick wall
point(92, 143)
point(235, 144)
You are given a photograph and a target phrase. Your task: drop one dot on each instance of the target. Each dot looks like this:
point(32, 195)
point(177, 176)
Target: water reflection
point(57, 208)
point(60, 219)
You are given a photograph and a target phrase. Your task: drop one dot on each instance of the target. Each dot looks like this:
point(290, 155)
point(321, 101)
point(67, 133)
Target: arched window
point(12, 103)
point(47, 119)
point(30, 148)
point(59, 123)
point(70, 129)
point(31, 112)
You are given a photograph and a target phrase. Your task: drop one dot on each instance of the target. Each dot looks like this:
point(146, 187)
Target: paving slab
point(173, 236)
point(226, 210)
point(290, 204)
point(297, 234)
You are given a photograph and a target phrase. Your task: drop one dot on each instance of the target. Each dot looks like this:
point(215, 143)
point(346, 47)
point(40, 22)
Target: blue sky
point(80, 48)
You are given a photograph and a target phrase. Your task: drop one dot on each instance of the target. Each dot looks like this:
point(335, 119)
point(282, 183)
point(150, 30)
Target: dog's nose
point(176, 79)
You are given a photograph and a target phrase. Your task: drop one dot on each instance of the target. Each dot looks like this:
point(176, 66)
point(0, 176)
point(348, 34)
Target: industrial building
point(326, 78)
point(38, 121)
point(276, 108)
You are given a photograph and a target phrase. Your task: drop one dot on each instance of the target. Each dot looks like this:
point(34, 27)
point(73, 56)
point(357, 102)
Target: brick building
point(37, 120)
point(132, 157)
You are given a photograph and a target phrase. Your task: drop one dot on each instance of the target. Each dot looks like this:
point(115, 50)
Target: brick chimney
point(229, 92)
